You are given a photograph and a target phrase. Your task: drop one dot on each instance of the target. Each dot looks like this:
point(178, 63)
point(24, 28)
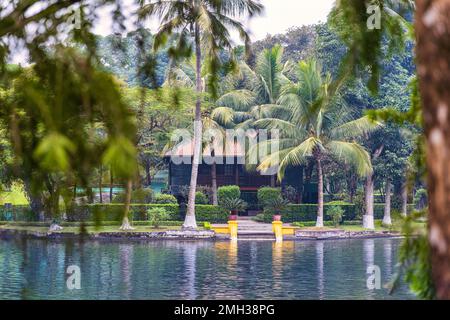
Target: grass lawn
point(16, 196)
point(90, 230)
point(396, 227)
point(360, 228)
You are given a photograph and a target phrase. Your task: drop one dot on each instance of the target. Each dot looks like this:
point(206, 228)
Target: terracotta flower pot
point(277, 217)
point(232, 217)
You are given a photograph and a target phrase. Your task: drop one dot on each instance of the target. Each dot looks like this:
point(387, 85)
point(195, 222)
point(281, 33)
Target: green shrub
point(290, 193)
point(156, 215)
point(298, 224)
point(275, 205)
point(201, 198)
point(207, 225)
point(114, 212)
point(266, 194)
point(260, 217)
point(228, 192)
point(141, 196)
point(335, 213)
point(165, 199)
point(210, 213)
point(338, 203)
point(311, 224)
point(235, 204)
point(308, 212)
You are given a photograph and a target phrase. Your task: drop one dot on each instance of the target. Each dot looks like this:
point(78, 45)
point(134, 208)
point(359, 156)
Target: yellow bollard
point(233, 228)
point(277, 227)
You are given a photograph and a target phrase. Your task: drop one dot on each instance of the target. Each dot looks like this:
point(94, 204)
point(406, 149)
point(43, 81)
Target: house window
point(229, 170)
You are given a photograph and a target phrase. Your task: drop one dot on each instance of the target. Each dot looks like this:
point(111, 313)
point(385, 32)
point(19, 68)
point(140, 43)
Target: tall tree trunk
point(319, 222)
point(433, 58)
point(387, 203)
point(100, 184)
point(190, 221)
point(404, 210)
point(352, 185)
point(125, 221)
point(368, 218)
point(368, 221)
point(111, 185)
point(35, 201)
point(214, 183)
point(148, 175)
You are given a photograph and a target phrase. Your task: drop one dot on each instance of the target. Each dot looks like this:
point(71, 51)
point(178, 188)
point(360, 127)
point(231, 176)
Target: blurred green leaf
point(53, 152)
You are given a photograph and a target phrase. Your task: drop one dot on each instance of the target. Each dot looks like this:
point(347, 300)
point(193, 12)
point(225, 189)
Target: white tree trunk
point(368, 221)
point(387, 206)
point(190, 221)
point(126, 225)
point(214, 184)
point(125, 221)
point(319, 222)
point(404, 211)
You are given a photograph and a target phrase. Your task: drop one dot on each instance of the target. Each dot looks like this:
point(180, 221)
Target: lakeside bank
point(175, 233)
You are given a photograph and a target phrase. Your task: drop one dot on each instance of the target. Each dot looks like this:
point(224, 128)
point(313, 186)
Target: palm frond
point(352, 154)
point(223, 115)
point(355, 129)
point(236, 8)
point(286, 128)
point(177, 77)
point(239, 100)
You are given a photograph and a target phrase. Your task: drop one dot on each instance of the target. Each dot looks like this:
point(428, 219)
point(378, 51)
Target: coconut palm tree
point(208, 22)
point(263, 87)
point(316, 126)
point(217, 114)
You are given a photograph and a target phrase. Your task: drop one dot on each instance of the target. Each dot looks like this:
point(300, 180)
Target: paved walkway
point(252, 230)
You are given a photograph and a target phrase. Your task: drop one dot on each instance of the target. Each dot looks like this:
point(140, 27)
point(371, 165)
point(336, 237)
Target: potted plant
point(276, 206)
point(233, 205)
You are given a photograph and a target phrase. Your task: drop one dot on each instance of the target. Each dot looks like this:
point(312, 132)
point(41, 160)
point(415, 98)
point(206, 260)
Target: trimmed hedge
point(137, 196)
point(90, 223)
point(228, 192)
point(201, 198)
point(210, 213)
point(165, 199)
point(308, 212)
point(265, 194)
point(114, 212)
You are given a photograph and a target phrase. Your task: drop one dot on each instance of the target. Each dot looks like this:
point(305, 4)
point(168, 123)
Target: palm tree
point(208, 22)
point(218, 115)
point(315, 126)
point(263, 87)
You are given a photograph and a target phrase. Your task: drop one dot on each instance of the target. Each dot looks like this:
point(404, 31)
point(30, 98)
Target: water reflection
point(126, 265)
point(387, 250)
point(320, 274)
point(190, 257)
point(35, 269)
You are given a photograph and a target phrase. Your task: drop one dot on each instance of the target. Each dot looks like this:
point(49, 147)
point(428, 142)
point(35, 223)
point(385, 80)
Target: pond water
point(36, 269)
